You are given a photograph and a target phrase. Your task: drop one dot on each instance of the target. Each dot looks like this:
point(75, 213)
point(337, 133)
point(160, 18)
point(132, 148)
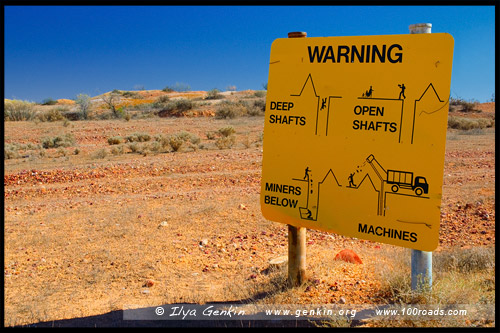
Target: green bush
point(16, 110)
point(66, 140)
point(49, 101)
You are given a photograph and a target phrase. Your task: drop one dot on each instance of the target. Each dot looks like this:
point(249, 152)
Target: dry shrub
point(228, 109)
point(61, 152)
point(155, 146)
point(214, 94)
point(161, 102)
point(460, 276)
point(176, 142)
point(186, 136)
point(101, 153)
point(65, 140)
point(54, 114)
point(138, 137)
point(226, 131)
point(134, 147)
point(132, 94)
point(115, 140)
point(16, 110)
point(469, 123)
point(10, 152)
point(163, 140)
point(117, 150)
point(465, 106)
point(176, 108)
point(260, 93)
point(226, 142)
point(211, 135)
point(466, 260)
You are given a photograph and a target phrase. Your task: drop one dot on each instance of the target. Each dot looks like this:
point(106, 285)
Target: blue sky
point(62, 51)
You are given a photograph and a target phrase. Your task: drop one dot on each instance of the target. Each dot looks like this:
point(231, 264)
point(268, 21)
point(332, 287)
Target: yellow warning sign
point(355, 133)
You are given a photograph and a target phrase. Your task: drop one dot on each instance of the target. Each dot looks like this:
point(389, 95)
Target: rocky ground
point(85, 235)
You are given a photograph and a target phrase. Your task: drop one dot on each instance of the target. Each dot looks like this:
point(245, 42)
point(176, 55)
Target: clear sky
point(62, 51)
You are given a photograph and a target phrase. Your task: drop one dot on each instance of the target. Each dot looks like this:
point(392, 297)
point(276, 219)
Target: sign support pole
point(296, 235)
point(421, 261)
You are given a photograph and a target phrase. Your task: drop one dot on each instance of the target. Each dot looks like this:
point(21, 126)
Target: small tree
point(84, 103)
point(111, 101)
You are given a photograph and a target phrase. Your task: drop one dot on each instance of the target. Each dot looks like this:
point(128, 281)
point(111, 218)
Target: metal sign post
point(421, 261)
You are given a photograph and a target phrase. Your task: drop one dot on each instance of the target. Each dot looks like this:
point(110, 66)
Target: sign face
point(355, 133)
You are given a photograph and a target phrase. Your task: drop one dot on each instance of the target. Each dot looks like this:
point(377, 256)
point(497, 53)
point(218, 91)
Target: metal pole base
point(421, 270)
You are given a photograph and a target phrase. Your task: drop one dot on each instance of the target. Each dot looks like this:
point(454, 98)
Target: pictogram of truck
point(404, 179)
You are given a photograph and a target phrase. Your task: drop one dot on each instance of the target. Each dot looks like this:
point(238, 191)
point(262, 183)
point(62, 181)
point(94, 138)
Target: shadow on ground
point(149, 318)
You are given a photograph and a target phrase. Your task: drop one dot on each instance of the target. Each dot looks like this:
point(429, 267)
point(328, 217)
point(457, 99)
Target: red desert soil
point(85, 236)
